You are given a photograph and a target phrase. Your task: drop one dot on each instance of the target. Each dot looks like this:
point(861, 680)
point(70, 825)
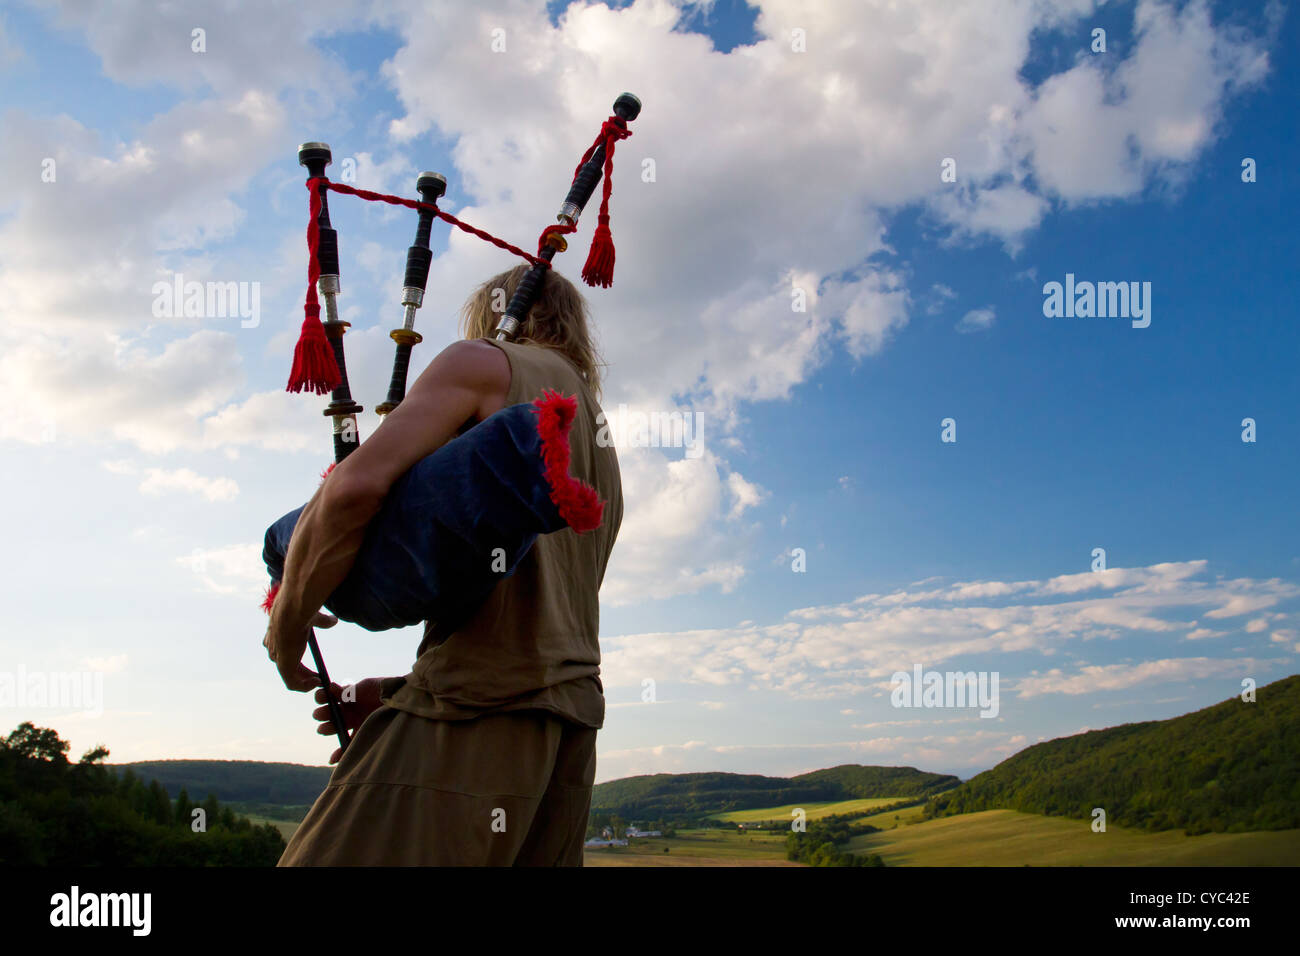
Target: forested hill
point(1233, 766)
point(237, 781)
point(54, 812)
point(856, 780)
point(677, 795)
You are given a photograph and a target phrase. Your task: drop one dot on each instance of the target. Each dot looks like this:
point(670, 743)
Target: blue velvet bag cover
point(459, 521)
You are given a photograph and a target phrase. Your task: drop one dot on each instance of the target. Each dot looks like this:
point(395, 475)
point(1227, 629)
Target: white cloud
point(840, 650)
point(235, 569)
point(159, 481)
point(744, 494)
point(1095, 679)
point(1005, 212)
point(938, 296)
point(978, 748)
point(249, 45)
point(674, 541)
point(871, 309)
point(977, 320)
point(114, 664)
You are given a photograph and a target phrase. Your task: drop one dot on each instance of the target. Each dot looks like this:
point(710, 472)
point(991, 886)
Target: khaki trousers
point(504, 789)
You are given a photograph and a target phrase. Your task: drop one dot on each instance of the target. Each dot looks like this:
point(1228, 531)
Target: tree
point(160, 807)
point(40, 743)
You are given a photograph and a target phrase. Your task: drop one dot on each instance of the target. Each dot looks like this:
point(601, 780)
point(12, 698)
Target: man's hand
point(358, 701)
point(286, 651)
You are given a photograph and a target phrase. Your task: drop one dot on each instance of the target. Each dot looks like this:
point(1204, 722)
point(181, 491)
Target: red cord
point(448, 217)
point(314, 366)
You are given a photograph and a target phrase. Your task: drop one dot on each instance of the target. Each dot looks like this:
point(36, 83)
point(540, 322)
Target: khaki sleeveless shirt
point(534, 642)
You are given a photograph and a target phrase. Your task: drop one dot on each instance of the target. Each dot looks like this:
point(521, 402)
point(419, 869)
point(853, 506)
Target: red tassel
point(599, 269)
point(314, 367)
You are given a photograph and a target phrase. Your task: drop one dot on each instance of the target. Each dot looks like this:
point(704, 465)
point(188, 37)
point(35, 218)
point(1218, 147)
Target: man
point(485, 753)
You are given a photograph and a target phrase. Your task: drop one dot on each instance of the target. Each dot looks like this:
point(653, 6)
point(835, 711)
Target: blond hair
point(558, 320)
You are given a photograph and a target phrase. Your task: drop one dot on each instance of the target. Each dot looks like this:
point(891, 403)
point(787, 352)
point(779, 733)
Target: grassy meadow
point(286, 827)
point(814, 811)
point(1009, 838)
point(697, 848)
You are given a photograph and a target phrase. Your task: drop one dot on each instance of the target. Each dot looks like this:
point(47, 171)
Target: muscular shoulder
point(479, 367)
point(474, 361)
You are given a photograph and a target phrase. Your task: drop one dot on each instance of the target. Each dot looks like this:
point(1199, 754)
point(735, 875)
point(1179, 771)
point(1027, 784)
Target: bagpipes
point(480, 500)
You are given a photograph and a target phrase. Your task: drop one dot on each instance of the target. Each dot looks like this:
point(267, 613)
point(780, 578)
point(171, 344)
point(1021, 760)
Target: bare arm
point(467, 380)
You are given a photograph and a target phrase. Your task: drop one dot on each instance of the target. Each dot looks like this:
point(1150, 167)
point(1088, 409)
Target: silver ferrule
point(507, 327)
point(331, 307)
point(569, 213)
point(412, 295)
point(328, 287)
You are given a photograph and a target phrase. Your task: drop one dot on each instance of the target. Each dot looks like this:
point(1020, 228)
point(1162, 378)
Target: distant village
point(609, 838)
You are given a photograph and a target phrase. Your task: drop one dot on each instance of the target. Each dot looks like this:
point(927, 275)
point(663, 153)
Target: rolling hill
point(679, 795)
point(236, 781)
point(1232, 767)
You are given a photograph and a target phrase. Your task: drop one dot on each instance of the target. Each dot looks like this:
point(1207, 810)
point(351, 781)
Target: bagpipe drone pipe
point(460, 520)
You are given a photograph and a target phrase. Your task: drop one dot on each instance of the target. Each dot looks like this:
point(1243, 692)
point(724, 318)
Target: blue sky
point(146, 455)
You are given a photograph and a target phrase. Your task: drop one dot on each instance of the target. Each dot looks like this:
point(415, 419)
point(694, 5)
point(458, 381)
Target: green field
point(697, 848)
point(286, 827)
point(815, 811)
point(891, 818)
point(1008, 838)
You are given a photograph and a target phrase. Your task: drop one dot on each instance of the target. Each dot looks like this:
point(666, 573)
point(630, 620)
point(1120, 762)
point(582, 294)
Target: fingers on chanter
point(335, 689)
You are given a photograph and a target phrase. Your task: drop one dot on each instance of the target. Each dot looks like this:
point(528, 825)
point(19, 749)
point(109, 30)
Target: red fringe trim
point(269, 601)
point(578, 503)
